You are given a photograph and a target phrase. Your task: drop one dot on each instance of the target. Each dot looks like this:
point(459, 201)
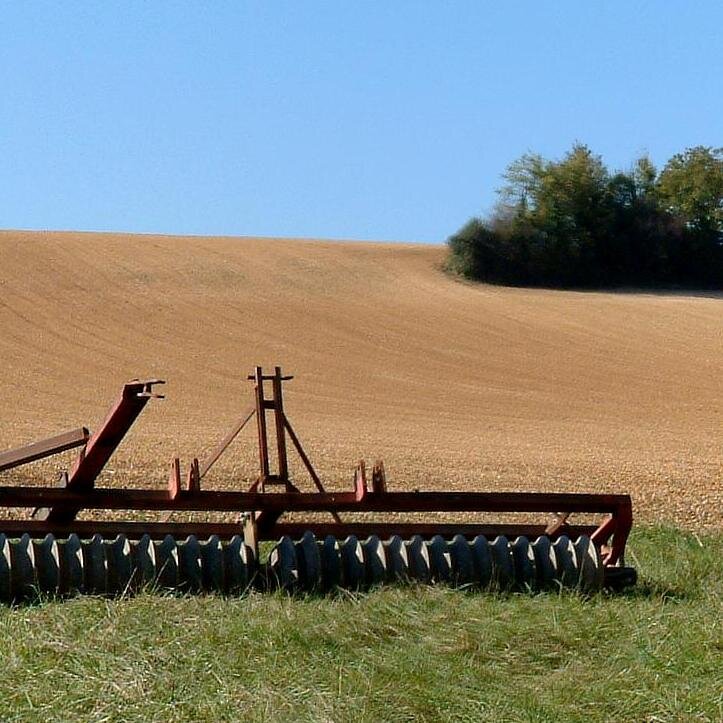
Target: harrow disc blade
point(71, 565)
point(397, 559)
point(283, 566)
point(167, 563)
point(524, 561)
point(331, 567)
point(375, 561)
point(352, 556)
point(309, 560)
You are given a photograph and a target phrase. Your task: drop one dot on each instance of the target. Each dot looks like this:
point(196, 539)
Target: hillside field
point(454, 385)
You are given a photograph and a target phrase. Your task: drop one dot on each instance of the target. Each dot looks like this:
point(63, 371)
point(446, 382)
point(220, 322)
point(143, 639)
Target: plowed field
point(454, 385)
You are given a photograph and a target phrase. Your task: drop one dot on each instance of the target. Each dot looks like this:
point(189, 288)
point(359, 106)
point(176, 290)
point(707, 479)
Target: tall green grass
point(654, 653)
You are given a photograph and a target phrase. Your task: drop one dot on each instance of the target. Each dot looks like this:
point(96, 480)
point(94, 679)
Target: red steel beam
point(227, 501)
point(45, 448)
point(131, 402)
point(225, 442)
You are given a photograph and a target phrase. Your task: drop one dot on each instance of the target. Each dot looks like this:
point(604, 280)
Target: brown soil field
point(454, 385)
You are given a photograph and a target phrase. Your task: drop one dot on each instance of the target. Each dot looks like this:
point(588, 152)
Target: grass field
point(394, 654)
point(456, 386)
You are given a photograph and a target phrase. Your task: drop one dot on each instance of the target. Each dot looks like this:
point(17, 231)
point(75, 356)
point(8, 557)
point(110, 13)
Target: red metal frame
point(263, 509)
point(44, 448)
point(98, 449)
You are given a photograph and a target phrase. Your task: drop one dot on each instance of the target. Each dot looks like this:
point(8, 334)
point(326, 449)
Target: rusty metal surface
point(230, 501)
point(45, 448)
point(131, 402)
point(226, 441)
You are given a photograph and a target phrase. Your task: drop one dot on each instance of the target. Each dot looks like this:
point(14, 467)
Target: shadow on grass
point(643, 590)
point(655, 590)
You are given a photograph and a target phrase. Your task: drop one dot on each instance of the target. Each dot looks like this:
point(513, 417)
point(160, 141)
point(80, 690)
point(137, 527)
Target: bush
point(571, 223)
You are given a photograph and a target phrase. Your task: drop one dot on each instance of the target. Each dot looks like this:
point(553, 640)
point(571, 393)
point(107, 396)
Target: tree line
point(573, 223)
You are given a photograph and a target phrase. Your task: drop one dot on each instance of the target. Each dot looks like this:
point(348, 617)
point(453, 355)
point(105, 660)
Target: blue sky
point(366, 120)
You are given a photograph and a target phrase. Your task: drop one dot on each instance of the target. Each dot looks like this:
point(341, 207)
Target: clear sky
point(364, 120)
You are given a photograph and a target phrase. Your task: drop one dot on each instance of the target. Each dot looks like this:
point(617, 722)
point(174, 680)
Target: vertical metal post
point(280, 427)
point(261, 424)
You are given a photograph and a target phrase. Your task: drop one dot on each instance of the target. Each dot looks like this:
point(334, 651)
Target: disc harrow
point(32, 568)
point(55, 554)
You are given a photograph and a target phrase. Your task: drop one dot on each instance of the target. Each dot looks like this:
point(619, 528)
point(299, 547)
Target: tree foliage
point(573, 223)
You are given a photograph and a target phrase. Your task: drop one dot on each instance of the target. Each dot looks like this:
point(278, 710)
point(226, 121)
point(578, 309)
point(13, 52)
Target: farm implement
point(74, 536)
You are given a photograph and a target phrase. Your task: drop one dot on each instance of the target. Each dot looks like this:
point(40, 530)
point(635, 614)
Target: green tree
point(644, 176)
point(691, 187)
point(561, 205)
point(572, 223)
